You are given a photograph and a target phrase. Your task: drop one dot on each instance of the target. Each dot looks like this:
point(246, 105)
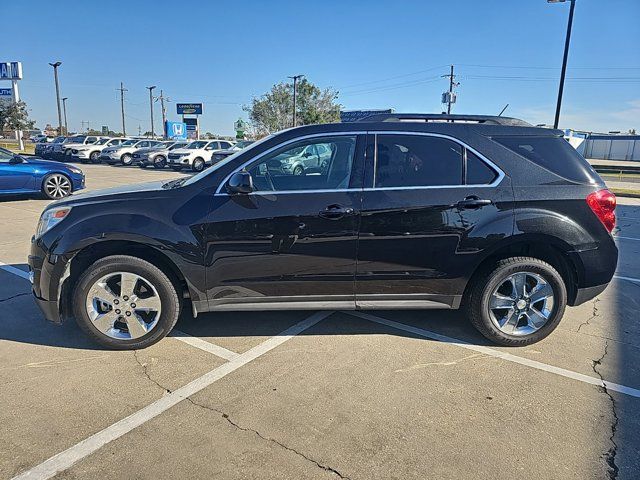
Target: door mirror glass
point(240, 182)
point(16, 159)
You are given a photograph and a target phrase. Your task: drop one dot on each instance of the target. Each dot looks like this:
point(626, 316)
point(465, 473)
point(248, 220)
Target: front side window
point(5, 156)
point(417, 161)
point(300, 167)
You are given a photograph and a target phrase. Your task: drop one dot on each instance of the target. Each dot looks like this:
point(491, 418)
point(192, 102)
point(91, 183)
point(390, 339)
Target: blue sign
point(176, 130)
point(10, 71)
point(189, 108)
point(5, 92)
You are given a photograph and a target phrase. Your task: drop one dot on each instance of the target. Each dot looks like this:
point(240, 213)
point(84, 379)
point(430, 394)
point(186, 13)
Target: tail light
point(603, 204)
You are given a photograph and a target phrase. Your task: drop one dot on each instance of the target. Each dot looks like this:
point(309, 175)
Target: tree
point(273, 111)
point(14, 116)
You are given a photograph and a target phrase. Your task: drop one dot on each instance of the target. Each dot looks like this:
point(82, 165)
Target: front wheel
point(126, 159)
point(518, 301)
point(198, 165)
point(159, 162)
point(94, 157)
point(56, 186)
point(125, 303)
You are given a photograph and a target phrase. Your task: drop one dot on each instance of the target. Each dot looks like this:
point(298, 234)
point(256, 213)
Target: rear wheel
point(126, 159)
point(298, 170)
point(93, 157)
point(518, 301)
point(56, 185)
point(125, 303)
point(198, 165)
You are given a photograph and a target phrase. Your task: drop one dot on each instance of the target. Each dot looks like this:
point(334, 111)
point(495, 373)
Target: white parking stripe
point(634, 392)
point(14, 270)
point(203, 345)
point(74, 454)
point(630, 279)
point(626, 238)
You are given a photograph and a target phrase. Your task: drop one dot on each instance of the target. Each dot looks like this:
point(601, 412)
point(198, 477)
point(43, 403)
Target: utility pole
point(151, 105)
point(449, 97)
point(139, 130)
point(162, 98)
point(122, 90)
point(64, 108)
point(564, 58)
point(55, 75)
point(295, 92)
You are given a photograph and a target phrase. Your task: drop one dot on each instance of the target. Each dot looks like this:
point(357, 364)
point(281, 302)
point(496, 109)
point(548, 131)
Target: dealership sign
point(6, 92)
point(176, 130)
point(10, 70)
point(189, 108)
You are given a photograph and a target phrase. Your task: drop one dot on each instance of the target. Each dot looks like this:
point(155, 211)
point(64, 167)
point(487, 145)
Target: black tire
point(126, 159)
point(198, 165)
point(94, 157)
point(298, 170)
point(476, 303)
point(159, 162)
point(170, 301)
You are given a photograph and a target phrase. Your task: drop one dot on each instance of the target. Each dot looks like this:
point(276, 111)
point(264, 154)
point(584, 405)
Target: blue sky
point(378, 54)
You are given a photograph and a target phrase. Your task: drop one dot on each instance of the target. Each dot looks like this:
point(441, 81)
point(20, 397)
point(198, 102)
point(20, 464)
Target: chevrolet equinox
point(406, 211)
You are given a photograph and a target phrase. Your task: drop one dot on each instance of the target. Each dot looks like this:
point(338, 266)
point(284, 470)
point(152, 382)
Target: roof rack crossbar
point(435, 117)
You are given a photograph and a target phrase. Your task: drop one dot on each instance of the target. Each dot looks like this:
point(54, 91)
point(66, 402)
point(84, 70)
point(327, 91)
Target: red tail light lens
point(603, 204)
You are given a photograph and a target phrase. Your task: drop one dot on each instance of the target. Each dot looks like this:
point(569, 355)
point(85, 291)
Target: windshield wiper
point(174, 183)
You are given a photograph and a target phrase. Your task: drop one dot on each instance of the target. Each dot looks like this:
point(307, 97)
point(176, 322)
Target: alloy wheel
point(521, 304)
point(123, 305)
point(57, 186)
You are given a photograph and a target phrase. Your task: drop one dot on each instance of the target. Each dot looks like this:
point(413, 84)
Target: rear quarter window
point(554, 154)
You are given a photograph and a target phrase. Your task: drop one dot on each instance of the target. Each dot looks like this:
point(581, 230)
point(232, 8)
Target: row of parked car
point(193, 155)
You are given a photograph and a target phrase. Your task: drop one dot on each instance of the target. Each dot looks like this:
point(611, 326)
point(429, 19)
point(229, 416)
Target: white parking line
point(203, 345)
point(14, 270)
point(634, 392)
point(629, 279)
point(626, 238)
point(66, 459)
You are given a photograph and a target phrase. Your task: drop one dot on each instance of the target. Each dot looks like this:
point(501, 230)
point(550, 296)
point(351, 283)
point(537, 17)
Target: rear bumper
point(587, 293)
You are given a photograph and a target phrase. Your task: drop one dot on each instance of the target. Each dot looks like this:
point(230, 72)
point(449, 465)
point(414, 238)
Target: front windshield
point(222, 163)
point(128, 143)
point(58, 140)
point(195, 145)
point(243, 144)
point(102, 141)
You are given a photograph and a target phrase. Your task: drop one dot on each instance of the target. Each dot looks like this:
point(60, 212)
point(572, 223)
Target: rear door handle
point(473, 202)
point(335, 212)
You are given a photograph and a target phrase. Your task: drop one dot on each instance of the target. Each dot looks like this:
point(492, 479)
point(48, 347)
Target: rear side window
point(478, 172)
point(417, 160)
point(553, 153)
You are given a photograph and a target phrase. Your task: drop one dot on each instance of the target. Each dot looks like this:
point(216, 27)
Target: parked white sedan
point(91, 153)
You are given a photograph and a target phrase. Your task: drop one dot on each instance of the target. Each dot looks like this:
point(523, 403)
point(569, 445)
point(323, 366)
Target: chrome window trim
point(493, 166)
point(288, 142)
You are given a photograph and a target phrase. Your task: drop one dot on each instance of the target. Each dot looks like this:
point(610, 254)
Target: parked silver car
point(157, 155)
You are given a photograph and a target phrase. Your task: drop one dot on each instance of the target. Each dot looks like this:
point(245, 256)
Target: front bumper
point(45, 272)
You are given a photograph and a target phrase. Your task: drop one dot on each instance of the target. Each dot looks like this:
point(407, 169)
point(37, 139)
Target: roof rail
point(435, 117)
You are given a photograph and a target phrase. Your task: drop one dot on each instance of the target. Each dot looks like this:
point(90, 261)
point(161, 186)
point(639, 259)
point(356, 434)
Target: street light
point(564, 59)
point(151, 105)
point(55, 75)
point(64, 108)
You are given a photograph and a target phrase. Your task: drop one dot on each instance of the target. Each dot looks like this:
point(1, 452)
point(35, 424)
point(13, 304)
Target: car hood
point(187, 151)
point(113, 193)
point(45, 163)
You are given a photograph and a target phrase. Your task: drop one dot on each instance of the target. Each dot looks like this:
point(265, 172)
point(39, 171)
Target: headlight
point(50, 218)
point(75, 170)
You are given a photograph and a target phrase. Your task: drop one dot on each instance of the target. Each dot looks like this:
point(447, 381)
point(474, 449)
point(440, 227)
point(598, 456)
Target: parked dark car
point(19, 175)
point(222, 154)
point(45, 149)
point(417, 211)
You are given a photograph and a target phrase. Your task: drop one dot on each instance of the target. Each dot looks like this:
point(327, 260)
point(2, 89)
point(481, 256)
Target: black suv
point(408, 211)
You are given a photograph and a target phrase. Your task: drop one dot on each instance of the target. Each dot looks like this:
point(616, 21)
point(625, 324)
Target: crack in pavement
point(268, 439)
point(593, 315)
point(146, 373)
point(610, 456)
point(15, 296)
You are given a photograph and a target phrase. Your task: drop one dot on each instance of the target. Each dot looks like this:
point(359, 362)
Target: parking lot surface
point(291, 395)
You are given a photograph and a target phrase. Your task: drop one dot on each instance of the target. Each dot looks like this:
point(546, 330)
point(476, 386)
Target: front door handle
point(473, 202)
point(335, 212)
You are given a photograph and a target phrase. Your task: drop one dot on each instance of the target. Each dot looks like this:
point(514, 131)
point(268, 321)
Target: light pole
point(55, 75)
point(295, 91)
point(64, 109)
point(151, 105)
point(564, 59)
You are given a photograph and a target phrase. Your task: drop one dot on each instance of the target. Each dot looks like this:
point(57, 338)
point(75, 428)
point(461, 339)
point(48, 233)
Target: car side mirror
point(240, 182)
point(16, 159)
